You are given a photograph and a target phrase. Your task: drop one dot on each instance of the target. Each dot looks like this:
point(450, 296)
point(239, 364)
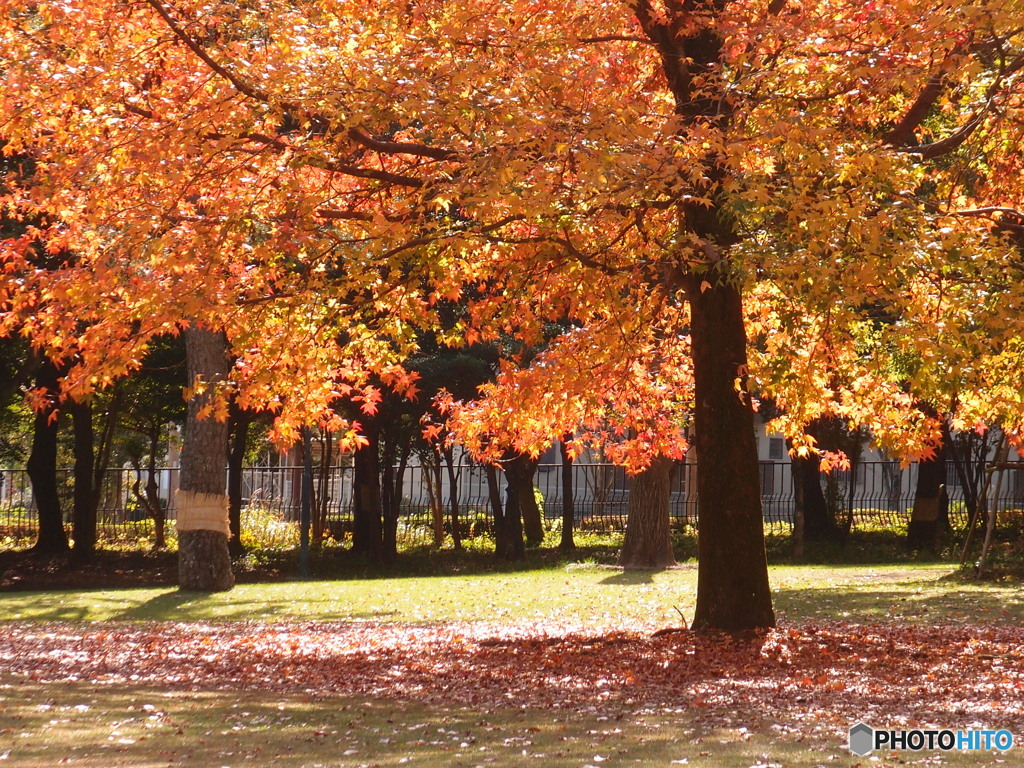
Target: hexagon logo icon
point(862, 739)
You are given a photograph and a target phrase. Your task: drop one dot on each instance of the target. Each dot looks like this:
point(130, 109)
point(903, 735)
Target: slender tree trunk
point(732, 581)
point(568, 512)
point(648, 542)
point(204, 562)
point(432, 479)
point(368, 528)
point(497, 512)
point(240, 421)
point(156, 509)
point(929, 513)
point(511, 545)
point(453, 498)
point(533, 516)
point(322, 496)
point(83, 515)
point(799, 506)
point(42, 470)
point(393, 506)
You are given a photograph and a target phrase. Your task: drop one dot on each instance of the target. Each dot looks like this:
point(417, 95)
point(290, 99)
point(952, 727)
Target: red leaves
point(941, 675)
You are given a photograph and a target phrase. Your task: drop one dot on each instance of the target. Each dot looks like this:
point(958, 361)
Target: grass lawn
point(546, 667)
point(576, 593)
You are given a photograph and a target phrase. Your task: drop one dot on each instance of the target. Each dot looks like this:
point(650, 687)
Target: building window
point(767, 478)
point(776, 448)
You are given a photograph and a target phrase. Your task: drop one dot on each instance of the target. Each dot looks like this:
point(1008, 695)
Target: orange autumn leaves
point(322, 179)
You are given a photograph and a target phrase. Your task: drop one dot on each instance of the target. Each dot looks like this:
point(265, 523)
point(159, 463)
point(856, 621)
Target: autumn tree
point(312, 180)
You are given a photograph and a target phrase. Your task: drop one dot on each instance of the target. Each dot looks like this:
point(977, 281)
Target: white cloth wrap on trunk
point(202, 512)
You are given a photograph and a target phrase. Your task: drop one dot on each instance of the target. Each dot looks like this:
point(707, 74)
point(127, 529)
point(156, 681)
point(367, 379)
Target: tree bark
point(533, 517)
point(930, 515)
point(648, 542)
point(509, 542)
point(453, 498)
point(42, 469)
point(568, 512)
point(367, 513)
point(240, 421)
point(204, 562)
point(83, 514)
point(394, 485)
point(432, 479)
point(732, 579)
point(156, 509)
point(819, 524)
point(497, 511)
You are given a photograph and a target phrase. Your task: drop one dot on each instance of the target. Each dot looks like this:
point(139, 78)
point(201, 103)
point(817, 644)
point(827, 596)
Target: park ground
point(557, 665)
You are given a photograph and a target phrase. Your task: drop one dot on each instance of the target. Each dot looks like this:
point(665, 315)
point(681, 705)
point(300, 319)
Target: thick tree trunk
point(509, 535)
point(204, 562)
point(568, 512)
point(83, 515)
point(732, 581)
point(42, 470)
point(367, 513)
point(819, 522)
point(930, 515)
point(648, 542)
point(533, 517)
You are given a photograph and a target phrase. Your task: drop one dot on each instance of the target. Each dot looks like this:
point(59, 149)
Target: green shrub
point(267, 530)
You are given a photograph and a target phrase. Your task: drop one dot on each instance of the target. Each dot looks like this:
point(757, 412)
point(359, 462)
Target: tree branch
point(991, 210)
point(239, 84)
point(250, 90)
point(964, 132)
point(367, 173)
point(401, 147)
point(918, 111)
point(624, 38)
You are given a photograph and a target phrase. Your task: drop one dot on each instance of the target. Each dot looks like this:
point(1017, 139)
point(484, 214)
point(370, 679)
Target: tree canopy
point(814, 201)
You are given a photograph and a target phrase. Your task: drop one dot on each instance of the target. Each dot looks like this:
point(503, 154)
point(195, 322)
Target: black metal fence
point(875, 493)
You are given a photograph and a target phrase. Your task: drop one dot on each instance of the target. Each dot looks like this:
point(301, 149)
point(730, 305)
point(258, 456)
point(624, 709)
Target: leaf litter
point(825, 674)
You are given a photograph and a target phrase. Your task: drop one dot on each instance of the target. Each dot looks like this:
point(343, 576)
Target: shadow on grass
point(338, 564)
point(292, 731)
point(915, 602)
point(163, 606)
point(632, 577)
point(196, 606)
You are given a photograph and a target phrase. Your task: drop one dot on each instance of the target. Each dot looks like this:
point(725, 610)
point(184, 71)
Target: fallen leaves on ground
point(946, 675)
